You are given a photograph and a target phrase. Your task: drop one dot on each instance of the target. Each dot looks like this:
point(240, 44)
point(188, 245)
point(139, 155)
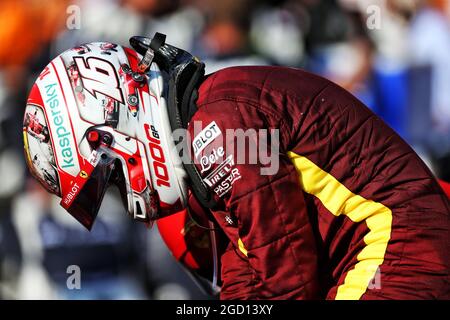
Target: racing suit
point(351, 211)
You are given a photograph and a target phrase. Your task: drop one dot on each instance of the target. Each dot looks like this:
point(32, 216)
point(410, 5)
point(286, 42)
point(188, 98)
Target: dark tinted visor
point(85, 206)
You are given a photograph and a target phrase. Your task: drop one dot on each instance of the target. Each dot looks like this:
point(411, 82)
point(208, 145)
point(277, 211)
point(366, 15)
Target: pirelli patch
point(223, 177)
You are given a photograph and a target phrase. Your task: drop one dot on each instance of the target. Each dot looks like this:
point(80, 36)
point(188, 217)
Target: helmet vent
point(139, 214)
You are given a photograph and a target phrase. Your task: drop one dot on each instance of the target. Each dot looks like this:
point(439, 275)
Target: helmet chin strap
point(183, 73)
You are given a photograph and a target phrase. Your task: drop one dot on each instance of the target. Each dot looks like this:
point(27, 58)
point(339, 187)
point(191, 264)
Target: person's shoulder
point(233, 83)
point(257, 73)
point(249, 82)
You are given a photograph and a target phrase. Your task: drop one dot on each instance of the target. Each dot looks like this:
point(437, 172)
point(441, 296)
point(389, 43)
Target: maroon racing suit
point(351, 211)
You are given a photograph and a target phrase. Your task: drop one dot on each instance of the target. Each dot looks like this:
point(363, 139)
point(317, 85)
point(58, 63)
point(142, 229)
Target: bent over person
point(302, 191)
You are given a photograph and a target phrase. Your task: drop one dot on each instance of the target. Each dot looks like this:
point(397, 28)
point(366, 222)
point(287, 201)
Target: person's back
point(351, 212)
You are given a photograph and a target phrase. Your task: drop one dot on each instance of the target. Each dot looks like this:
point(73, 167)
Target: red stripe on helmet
point(35, 96)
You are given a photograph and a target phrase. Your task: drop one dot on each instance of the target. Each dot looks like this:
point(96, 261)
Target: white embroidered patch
point(228, 182)
point(208, 160)
point(205, 137)
point(221, 171)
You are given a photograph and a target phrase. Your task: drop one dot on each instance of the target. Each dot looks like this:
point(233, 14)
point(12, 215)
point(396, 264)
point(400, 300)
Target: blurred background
point(394, 55)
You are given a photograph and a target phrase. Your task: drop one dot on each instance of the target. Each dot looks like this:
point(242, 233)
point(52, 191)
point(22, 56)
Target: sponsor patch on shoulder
point(225, 186)
point(221, 171)
point(223, 177)
point(208, 160)
point(205, 137)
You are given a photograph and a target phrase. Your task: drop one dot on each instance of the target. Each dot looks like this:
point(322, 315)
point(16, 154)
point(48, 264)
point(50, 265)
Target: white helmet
point(98, 115)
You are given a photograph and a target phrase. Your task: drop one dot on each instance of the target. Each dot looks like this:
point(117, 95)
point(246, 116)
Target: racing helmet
point(97, 116)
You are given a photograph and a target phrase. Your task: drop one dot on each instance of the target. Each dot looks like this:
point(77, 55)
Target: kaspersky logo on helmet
point(61, 128)
point(59, 123)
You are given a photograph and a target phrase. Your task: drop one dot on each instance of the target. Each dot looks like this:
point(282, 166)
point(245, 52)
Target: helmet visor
point(88, 191)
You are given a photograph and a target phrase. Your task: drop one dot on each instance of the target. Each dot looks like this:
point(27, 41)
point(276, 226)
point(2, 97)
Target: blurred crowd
point(394, 55)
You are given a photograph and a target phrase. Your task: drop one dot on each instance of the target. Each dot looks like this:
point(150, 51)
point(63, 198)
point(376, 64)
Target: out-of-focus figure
point(26, 27)
point(224, 40)
point(277, 31)
point(116, 21)
point(386, 23)
point(429, 49)
point(108, 259)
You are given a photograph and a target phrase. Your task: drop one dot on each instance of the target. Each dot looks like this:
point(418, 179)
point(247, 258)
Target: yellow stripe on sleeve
point(242, 247)
point(339, 200)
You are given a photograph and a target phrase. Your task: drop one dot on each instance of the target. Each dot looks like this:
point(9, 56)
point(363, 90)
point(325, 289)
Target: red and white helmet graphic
point(91, 121)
